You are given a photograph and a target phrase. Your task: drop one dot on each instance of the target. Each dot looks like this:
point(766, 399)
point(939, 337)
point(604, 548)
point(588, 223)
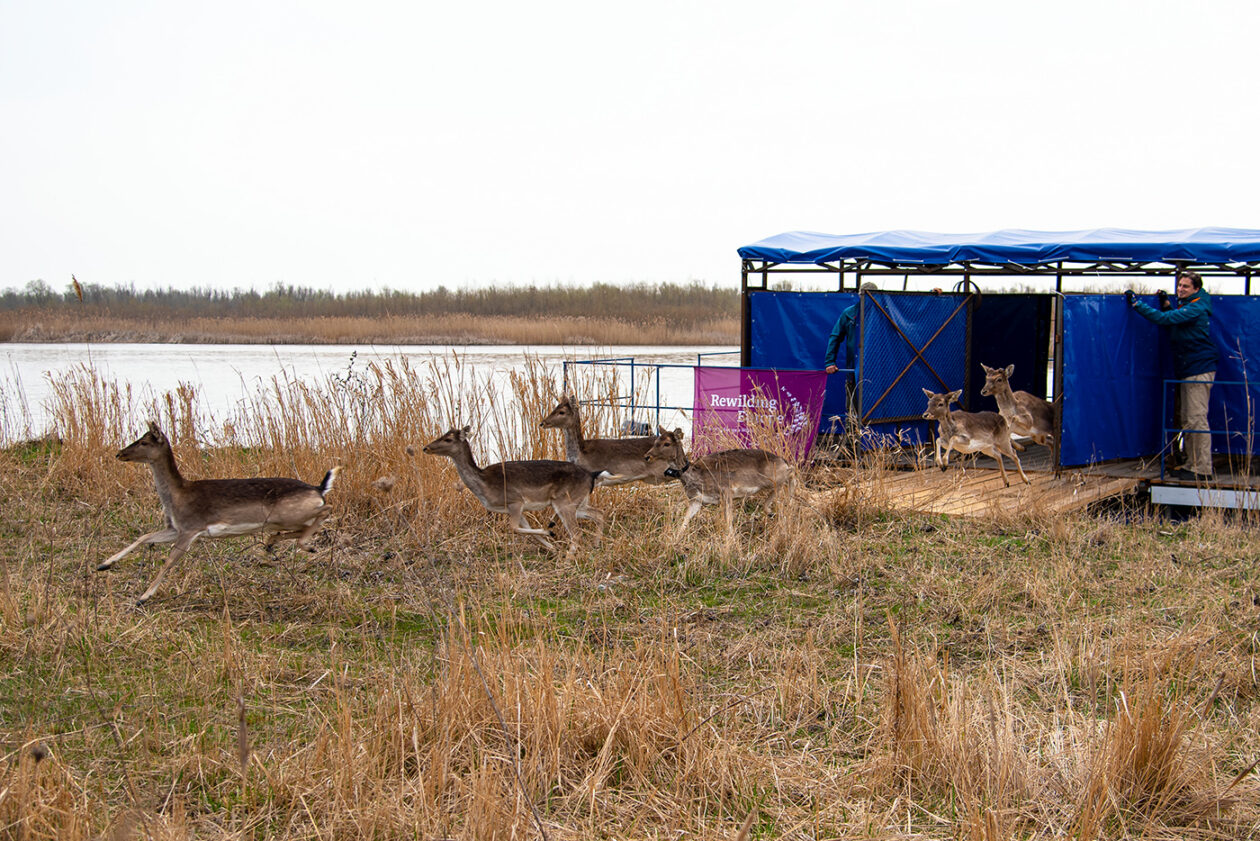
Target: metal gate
point(911, 342)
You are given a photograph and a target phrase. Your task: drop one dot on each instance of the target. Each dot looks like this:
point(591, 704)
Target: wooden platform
point(979, 492)
point(972, 485)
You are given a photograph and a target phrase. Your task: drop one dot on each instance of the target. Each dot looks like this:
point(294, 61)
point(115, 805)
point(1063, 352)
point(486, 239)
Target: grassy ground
point(838, 669)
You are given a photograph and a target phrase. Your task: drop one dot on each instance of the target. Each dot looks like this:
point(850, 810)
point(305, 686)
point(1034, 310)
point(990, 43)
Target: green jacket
point(846, 331)
point(1192, 347)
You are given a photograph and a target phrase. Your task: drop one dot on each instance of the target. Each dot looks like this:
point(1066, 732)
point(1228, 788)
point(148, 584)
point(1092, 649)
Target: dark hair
point(1193, 277)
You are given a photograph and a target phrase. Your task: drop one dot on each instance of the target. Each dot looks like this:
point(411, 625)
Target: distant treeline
point(681, 305)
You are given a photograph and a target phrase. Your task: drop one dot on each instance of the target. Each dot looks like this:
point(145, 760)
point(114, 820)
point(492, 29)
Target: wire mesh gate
point(911, 342)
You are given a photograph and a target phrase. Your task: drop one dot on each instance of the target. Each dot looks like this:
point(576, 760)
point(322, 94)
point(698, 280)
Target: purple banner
point(757, 407)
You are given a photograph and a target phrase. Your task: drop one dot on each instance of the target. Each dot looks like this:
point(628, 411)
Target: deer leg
point(567, 513)
point(993, 453)
point(516, 518)
point(304, 536)
point(177, 551)
point(586, 512)
point(163, 536)
point(692, 510)
point(1011, 452)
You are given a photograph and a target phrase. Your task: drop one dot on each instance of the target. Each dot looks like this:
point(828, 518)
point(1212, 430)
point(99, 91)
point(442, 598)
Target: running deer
point(719, 477)
point(286, 508)
point(1025, 413)
point(514, 487)
point(970, 432)
point(623, 458)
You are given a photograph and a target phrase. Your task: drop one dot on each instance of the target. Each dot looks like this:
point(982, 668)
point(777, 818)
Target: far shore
point(458, 329)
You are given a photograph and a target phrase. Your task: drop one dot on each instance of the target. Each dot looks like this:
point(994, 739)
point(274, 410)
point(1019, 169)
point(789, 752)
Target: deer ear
point(1010, 369)
point(987, 369)
point(954, 395)
point(465, 432)
point(928, 393)
point(154, 429)
point(660, 430)
point(678, 433)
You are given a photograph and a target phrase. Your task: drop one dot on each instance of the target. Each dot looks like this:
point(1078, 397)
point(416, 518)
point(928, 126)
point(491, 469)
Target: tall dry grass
point(427, 673)
point(456, 328)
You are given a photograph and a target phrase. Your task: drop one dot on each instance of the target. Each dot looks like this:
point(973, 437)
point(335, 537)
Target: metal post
point(745, 318)
point(658, 398)
point(1057, 396)
point(632, 381)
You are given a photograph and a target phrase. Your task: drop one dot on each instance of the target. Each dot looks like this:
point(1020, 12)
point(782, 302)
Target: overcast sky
point(401, 144)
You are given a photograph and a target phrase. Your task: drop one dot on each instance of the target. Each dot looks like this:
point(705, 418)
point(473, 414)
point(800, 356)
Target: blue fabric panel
point(1114, 363)
point(887, 357)
point(790, 330)
point(1025, 248)
point(1233, 408)
point(1010, 330)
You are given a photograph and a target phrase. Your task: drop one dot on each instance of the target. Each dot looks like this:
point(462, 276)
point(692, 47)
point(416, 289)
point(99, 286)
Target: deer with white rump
point(514, 487)
point(287, 508)
point(722, 476)
point(621, 457)
point(970, 432)
point(1025, 413)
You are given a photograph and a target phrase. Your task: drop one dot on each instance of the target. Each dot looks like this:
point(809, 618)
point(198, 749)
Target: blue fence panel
point(1233, 408)
point(1114, 363)
point(790, 330)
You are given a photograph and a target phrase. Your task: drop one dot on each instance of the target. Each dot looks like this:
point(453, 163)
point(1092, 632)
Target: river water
point(228, 376)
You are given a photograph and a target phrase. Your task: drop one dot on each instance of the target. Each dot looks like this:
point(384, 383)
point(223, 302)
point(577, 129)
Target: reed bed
point(443, 329)
point(833, 670)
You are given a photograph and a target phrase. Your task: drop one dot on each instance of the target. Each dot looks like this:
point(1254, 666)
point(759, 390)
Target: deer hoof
point(103, 567)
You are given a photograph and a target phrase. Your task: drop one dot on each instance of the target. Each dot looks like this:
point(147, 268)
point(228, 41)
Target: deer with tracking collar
point(1025, 413)
point(288, 508)
point(514, 487)
point(970, 432)
point(722, 476)
point(621, 457)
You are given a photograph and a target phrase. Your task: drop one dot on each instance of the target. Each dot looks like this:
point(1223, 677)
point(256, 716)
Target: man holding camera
point(1194, 360)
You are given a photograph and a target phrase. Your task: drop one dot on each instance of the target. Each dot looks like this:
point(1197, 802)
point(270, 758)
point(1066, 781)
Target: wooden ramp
point(978, 491)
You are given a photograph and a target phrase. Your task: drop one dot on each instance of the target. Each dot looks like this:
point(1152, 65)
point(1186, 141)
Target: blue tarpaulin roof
point(1024, 248)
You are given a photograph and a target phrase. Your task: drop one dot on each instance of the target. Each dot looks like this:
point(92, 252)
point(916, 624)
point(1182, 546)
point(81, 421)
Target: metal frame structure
point(966, 275)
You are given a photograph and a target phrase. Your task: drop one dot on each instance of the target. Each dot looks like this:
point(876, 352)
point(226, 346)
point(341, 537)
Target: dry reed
point(446, 329)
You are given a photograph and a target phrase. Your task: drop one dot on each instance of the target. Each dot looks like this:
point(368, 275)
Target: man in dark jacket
point(846, 330)
point(1194, 360)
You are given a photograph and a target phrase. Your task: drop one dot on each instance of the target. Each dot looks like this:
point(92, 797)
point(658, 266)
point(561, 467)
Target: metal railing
point(631, 401)
point(1171, 433)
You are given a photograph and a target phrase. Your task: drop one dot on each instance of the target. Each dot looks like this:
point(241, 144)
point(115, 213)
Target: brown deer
point(287, 508)
point(970, 432)
point(719, 477)
point(1025, 413)
point(621, 457)
point(514, 487)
